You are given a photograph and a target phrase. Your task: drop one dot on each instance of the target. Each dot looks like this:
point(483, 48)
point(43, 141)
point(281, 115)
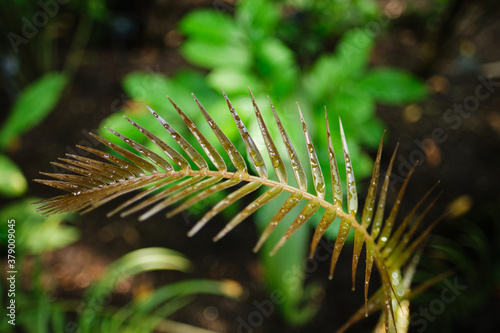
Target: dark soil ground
point(466, 161)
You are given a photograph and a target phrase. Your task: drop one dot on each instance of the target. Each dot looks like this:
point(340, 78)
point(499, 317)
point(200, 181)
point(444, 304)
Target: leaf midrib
point(244, 177)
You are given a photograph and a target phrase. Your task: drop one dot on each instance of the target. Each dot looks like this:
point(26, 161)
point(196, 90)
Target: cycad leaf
point(407, 253)
point(319, 186)
point(292, 201)
point(331, 212)
point(137, 161)
point(230, 199)
point(155, 158)
point(252, 149)
point(344, 228)
point(177, 158)
point(352, 195)
point(159, 196)
point(201, 196)
point(376, 226)
point(305, 214)
point(396, 237)
point(211, 152)
point(182, 175)
point(150, 200)
point(252, 207)
point(328, 217)
point(399, 245)
point(352, 204)
point(334, 170)
point(228, 146)
point(379, 215)
point(297, 169)
point(274, 155)
point(366, 218)
point(124, 165)
point(317, 174)
point(389, 223)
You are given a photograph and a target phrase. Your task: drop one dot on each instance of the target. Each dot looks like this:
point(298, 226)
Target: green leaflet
point(34, 103)
point(12, 182)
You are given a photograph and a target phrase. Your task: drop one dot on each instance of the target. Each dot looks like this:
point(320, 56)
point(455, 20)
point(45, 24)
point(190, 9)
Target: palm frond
point(185, 177)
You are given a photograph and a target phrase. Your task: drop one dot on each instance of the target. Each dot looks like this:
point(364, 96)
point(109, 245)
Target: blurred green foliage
point(13, 183)
point(284, 271)
point(37, 310)
point(43, 87)
point(147, 313)
point(33, 104)
point(36, 234)
point(316, 53)
point(245, 50)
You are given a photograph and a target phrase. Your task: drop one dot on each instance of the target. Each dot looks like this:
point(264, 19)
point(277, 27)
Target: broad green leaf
point(147, 86)
point(209, 25)
point(367, 8)
point(152, 88)
point(324, 78)
point(353, 105)
point(50, 234)
point(371, 129)
point(353, 52)
point(209, 55)
point(233, 81)
point(33, 104)
point(362, 162)
point(12, 182)
point(35, 233)
point(273, 56)
point(195, 82)
point(393, 86)
point(259, 17)
point(276, 61)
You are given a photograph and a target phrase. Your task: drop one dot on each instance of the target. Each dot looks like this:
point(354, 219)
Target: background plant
point(259, 46)
point(41, 82)
point(427, 39)
point(192, 178)
point(37, 310)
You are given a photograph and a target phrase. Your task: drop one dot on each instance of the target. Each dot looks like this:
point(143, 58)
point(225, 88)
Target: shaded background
point(446, 44)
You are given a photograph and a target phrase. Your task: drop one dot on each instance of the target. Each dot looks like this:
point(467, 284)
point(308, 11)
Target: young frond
point(184, 177)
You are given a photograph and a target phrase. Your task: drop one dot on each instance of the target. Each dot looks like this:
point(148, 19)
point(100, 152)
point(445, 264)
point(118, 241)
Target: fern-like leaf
point(169, 179)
